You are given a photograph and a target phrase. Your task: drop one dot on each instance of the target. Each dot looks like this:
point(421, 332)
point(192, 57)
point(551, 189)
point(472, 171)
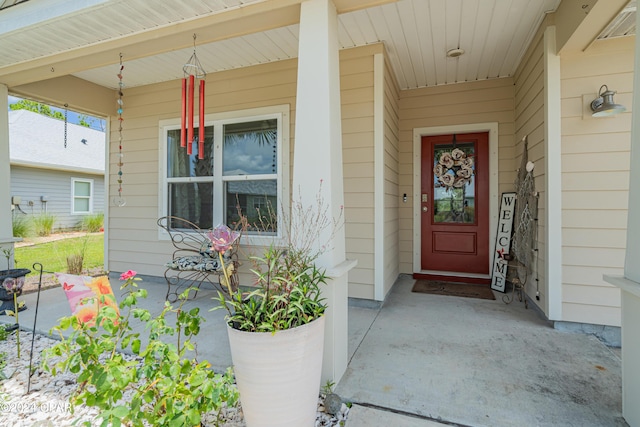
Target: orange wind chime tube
point(183, 128)
point(201, 124)
point(192, 71)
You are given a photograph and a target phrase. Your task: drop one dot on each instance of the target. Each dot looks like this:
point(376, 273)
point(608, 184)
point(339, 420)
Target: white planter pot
point(278, 375)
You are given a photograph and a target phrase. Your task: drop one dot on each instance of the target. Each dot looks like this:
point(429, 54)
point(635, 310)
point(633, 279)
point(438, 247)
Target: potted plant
point(276, 334)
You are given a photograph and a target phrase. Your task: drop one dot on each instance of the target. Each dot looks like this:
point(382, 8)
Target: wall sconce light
point(603, 105)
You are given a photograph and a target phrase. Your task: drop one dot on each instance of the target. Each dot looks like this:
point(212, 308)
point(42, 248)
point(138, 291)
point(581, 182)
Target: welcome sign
point(503, 241)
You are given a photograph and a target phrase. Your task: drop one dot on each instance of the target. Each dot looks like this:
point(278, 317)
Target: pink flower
point(8, 284)
point(222, 238)
point(128, 275)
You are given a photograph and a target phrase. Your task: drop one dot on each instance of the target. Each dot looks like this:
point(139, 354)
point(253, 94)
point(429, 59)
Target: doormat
point(453, 289)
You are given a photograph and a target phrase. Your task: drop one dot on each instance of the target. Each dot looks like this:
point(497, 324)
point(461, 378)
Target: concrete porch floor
point(427, 360)
point(475, 362)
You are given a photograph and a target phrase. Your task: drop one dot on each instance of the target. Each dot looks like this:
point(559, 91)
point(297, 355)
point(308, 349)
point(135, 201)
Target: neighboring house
point(55, 170)
point(360, 97)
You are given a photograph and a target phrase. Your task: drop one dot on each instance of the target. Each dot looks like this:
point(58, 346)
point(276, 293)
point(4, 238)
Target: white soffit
point(8, 3)
point(623, 25)
point(416, 33)
point(35, 12)
point(33, 31)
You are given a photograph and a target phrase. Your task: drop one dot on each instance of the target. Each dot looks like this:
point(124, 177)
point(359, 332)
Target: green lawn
point(53, 255)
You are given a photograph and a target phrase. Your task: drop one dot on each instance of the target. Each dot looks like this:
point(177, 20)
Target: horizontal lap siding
point(133, 229)
point(357, 104)
point(32, 183)
point(529, 80)
point(455, 104)
point(391, 180)
point(595, 181)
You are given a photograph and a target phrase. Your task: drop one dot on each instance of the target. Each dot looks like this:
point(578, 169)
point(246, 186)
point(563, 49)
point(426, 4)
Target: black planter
point(15, 273)
point(6, 298)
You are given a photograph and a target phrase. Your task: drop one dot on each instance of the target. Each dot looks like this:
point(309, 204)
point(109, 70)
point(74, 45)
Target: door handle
point(425, 209)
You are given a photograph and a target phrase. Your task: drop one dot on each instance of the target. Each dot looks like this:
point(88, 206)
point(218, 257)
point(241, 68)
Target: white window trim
point(74, 197)
point(217, 120)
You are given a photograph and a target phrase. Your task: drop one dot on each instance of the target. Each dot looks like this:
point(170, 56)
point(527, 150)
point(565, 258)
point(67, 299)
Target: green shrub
point(74, 263)
point(43, 223)
point(21, 226)
point(75, 260)
point(168, 388)
point(3, 356)
point(92, 223)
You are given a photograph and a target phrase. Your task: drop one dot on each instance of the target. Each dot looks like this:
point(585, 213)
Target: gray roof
point(36, 140)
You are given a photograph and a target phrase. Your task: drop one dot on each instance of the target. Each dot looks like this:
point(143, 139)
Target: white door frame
point(418, 133)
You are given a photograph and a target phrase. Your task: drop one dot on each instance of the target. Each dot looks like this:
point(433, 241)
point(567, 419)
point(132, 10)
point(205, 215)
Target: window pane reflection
point(250, 148)
point(192, 201)
point(180, 164)
point(258, 201)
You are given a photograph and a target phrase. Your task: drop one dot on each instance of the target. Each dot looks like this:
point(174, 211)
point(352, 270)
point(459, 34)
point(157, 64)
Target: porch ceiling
point(84, 38)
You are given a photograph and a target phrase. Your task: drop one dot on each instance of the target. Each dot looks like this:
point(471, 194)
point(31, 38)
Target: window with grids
point(241, 172)
point(82, 196)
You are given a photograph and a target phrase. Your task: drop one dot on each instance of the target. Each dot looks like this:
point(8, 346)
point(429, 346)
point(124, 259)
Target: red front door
point(454, 203)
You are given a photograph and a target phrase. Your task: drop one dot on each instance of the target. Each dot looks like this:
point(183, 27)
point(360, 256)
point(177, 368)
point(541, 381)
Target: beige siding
point(529, 114)
point(133, 233)
point(595, 181)
point(392, 197)
point(357, 97)
point(458, 104)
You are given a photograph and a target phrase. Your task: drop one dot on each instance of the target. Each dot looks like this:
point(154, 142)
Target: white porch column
point(630, 283)
point(553, 176)
point(317, 165)
point(6, 228)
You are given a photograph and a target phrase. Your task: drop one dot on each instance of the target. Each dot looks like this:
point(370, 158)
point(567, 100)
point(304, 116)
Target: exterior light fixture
point(603, 105)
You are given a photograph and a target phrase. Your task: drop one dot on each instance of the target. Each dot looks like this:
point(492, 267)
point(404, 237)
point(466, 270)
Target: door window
point(454, 183)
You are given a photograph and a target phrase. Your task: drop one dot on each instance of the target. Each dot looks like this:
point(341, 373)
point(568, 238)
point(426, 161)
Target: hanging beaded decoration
point(119, 200)
point(66, 110)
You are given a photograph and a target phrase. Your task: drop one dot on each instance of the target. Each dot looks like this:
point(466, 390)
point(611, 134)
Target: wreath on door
point(454, 169)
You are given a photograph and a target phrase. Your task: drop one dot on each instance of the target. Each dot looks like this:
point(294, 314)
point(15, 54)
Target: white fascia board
point(48, 166)
point(35, 12)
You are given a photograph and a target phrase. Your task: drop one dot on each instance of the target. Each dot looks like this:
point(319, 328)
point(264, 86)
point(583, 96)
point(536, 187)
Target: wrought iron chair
point(194, 262)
